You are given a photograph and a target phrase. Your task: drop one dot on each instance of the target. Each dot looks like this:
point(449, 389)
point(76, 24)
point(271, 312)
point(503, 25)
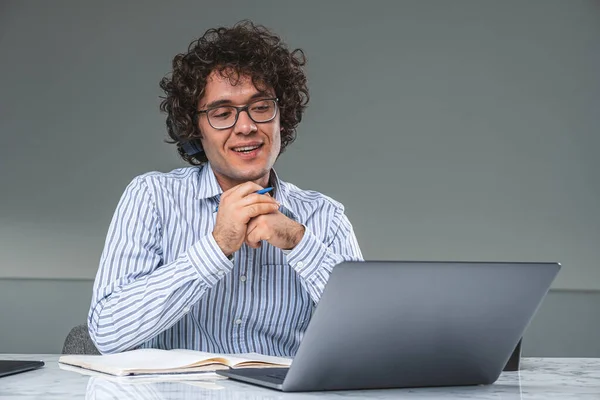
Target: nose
point(244, 124)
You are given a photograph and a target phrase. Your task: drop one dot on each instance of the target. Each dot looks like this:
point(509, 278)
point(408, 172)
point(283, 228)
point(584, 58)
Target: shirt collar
point(282, 193)
point(208, 187)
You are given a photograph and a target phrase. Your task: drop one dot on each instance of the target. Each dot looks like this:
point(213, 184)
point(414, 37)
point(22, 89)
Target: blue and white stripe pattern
point(164, 283)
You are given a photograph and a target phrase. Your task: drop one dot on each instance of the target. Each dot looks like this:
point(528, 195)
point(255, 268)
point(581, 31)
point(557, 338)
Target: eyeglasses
point(259, 111)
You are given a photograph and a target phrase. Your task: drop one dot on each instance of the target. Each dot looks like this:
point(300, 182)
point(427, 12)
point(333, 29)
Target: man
point(179, 272)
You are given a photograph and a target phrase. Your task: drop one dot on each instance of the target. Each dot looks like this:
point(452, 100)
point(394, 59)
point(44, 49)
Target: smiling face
point(248, 150)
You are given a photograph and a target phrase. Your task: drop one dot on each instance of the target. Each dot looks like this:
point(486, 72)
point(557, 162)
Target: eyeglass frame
point(238, 111)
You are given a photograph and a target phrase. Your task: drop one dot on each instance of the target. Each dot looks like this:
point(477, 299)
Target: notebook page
point(140, 359)
point(234, 359)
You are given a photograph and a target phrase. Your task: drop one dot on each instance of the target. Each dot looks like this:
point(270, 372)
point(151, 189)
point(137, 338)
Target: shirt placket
point(243, 262)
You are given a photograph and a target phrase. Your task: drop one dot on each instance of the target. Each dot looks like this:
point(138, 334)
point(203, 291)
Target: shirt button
point(243, 278)
point(299, 264)
point(238, 321)
point(220, 273)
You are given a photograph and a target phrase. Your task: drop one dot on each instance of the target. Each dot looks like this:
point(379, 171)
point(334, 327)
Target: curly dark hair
point(244, 49)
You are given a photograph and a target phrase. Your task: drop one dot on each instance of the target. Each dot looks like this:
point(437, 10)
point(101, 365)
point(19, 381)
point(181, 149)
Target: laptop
point(11, 367)
point(384, 324)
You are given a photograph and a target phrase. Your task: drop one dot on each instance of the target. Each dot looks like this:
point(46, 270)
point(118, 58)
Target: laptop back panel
point(414, 324)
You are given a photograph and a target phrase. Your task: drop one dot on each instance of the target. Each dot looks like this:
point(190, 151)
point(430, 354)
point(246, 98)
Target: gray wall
point(37, 314)
point(450, 130)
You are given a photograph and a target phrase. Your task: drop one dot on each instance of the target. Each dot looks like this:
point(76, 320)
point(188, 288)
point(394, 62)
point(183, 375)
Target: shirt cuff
point(307, 256)
point(208, 259)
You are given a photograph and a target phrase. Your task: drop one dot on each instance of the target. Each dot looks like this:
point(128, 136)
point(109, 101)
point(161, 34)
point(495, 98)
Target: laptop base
point(268, 377)
point(11, 367)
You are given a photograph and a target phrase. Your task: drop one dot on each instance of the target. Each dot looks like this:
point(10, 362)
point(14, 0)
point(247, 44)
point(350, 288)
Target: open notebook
point(156, 361)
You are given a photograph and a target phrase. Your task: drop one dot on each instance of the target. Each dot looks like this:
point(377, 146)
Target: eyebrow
point(221, 102)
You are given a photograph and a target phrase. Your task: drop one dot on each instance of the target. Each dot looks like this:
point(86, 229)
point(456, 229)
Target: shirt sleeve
point(314, 260)
point(135, 295)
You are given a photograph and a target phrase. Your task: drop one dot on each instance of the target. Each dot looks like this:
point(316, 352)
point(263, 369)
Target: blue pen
point(261, 191)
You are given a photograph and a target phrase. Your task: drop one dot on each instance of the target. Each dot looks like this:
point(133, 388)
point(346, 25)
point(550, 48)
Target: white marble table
point(549, 378)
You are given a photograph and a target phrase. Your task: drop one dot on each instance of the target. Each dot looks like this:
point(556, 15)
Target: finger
point(254, 245)
point(255, 199)
point(252, 225)
point(257, 209)
point(240, 191)
point(245, 189)
point(253, 237)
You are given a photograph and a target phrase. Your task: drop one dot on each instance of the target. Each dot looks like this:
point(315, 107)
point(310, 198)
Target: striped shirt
point(163, 282)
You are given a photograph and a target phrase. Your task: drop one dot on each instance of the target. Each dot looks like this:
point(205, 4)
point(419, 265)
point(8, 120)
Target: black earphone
point(191, 148)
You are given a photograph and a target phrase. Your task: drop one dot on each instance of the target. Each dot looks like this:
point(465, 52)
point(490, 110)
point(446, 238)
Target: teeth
point(246, 148)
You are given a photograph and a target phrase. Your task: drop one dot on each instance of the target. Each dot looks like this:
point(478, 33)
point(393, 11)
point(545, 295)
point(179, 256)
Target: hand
point(275, 228)
point(237, 207)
